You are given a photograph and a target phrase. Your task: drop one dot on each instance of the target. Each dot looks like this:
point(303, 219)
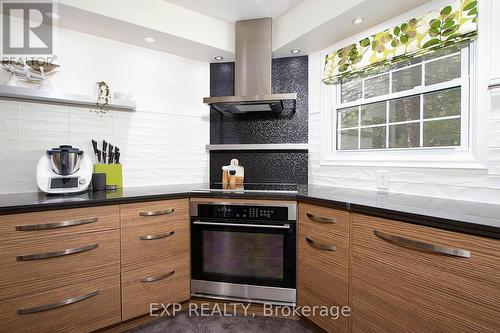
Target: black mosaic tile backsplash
point(222, 79)
point(263, 167)
point(288, 75)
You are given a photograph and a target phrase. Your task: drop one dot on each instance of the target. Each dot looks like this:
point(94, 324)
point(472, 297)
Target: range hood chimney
point(252, 84)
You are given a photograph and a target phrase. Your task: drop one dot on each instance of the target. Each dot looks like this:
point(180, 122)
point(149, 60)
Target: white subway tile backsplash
point(8, 160)
point(27, 186)
point(494, 168)
point(472, 178)
point(10, 187)
point(88, 125)
point(156, 148)
point(494, 154)
point(8, 129)
point(493, 181)
point(8, 147)
point(38, 125)
point(494, 140)
point(8, 144)
point(495, 125)
point(8, 124)
point(8, 109)
point(43, 112)
point(407, 188)
point(41, 135)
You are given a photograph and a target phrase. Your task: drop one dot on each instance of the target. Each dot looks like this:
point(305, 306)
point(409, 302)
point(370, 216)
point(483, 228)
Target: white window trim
point(473, 157)
point(462, 82)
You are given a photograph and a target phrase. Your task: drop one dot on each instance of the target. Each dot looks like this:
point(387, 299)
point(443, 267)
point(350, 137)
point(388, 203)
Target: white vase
point(12, 81)
point(45, 85)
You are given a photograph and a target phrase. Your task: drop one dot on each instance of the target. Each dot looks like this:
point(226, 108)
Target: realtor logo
point(27, 28)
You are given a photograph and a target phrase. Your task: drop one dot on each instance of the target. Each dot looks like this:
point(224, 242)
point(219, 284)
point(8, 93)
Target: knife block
point(114, 175)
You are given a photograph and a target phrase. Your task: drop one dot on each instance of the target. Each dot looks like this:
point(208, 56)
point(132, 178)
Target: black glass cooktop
point(250, 187)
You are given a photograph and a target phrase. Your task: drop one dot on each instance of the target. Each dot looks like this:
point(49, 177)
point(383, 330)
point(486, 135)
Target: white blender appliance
point(64, 170)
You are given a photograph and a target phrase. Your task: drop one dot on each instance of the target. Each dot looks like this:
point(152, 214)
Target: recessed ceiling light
point(53, 15)
point(150, 39)
point(358, 20)
point(219, 58)
point(295, 51)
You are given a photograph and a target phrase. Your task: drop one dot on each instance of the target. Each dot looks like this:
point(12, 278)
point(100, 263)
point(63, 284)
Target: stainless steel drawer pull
point(269, 226)
point(320, 219)
point(157, 236)
point(56, 225)
point(157, 277)
point(57, 253)
point(321, 246)
point(157, 213)
point(58, 304)
point(418, 245)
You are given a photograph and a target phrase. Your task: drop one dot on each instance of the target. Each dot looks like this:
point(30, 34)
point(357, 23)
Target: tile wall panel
point(289, 75)
point(263, 167)
point(8, 147)
point(157, 148)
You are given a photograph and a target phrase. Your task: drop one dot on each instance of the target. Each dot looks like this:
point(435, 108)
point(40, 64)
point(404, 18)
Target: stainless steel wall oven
point(244, 251)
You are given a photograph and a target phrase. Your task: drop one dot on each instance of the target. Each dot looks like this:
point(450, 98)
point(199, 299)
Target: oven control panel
point(242, 212)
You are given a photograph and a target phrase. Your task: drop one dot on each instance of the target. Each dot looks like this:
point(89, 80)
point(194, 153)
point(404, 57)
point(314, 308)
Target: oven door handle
point(270, 226)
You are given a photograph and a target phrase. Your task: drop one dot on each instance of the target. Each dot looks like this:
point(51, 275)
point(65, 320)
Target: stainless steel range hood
point(252, 82)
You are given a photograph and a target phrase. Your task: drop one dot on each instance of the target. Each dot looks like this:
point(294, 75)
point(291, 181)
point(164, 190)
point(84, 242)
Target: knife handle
point(117, 157)
point(94, 145)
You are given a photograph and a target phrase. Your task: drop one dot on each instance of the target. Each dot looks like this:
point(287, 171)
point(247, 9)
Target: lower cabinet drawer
point(322, 281)
point(147, 243)
point(166, 281)
point(320, 273)
point(81, 307)
point(333, 321)
point(155, 211)
point(31, 265)
point(413, 278)
point(323, 274)
point(331, 250)
point(327, 221)
point(59, 222)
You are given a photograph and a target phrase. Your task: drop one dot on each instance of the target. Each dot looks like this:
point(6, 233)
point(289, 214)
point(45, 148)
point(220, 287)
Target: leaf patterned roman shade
point(453, 23)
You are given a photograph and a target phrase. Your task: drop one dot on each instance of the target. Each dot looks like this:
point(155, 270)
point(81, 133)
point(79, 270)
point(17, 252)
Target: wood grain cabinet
point(155, 255)
point(412, 278)
point(59, 222)
point(60, 270)
point(323, 261)
point(81, 307)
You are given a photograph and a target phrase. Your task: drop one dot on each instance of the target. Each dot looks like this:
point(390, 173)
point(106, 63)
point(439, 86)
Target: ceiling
point(235, 10)
point(204, 29)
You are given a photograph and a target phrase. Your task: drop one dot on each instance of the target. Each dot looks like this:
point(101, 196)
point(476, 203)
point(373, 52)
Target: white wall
point(163, 142)
point(467, 184)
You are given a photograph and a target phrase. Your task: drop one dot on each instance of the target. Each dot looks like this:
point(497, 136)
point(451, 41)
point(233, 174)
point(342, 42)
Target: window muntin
point(419, 103)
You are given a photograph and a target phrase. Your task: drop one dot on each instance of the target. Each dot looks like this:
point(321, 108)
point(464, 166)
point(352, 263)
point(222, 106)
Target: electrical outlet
point(383, 179)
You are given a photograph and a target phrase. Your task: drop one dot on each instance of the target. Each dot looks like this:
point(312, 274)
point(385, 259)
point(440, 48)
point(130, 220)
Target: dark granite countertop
point(464, 216)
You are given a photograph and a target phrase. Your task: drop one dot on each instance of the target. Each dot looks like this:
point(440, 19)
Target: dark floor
point(183, 323)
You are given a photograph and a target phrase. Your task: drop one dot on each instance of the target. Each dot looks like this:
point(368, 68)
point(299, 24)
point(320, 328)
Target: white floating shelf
point(52, 96)
point(265, 146)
